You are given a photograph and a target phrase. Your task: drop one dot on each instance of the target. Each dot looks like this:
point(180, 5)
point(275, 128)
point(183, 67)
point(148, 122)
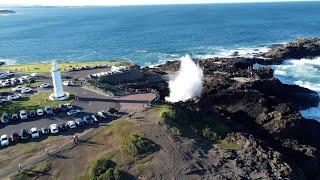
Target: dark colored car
point(25, 134)
point(45, 130)
point(63, 107)
point(88, 120)
point(113, 111)
point(15, 138)
point(80, 122)
point(14, 117)
point(56, 110)
point(5, 118)
point(32, 114)
point(62, 127)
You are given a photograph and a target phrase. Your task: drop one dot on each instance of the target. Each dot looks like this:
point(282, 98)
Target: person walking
point(47, 152)
point(19, 166)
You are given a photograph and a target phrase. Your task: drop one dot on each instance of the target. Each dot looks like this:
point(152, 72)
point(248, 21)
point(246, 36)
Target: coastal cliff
point(261, 112)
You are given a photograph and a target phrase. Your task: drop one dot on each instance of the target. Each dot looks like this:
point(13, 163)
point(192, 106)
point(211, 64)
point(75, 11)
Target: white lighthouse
point(58, 93)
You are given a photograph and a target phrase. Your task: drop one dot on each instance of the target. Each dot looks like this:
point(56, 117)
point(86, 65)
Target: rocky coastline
point(7, 11)
point(258, 109)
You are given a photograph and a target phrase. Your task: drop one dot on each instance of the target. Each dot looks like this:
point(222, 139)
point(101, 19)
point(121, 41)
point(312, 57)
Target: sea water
point(150, 35)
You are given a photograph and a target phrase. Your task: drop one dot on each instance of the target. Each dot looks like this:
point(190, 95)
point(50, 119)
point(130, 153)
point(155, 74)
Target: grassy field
point(32, 102)
point(64, 66)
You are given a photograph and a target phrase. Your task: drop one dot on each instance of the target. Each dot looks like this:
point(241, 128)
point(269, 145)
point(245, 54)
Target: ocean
point(151, 35)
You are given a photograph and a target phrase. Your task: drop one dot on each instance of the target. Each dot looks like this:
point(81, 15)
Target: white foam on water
point(8, 61)
point(308, 85)
point(304, 73)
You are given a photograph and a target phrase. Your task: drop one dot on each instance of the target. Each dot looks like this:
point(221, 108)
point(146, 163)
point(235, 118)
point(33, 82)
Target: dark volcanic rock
point(299, 48)
point(2, 63)
point(254, 102)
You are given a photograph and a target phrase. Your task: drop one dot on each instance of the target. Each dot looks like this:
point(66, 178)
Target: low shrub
point(136, 145)
point(101, 166)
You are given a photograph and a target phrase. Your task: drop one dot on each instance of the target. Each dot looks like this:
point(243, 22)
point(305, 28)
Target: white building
point(58, 93)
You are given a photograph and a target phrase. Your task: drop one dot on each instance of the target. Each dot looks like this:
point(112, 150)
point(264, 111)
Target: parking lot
point(87, 100)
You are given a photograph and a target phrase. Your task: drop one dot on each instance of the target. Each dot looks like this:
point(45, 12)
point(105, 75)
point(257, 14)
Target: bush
point(166, 114)
point(101, 166)
point(210, 134)
point(136, 145)
point(111, 174)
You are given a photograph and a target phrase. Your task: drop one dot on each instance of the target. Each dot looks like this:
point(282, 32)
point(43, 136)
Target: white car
point(67, 83)
point(34, 133)
point(23, 115)
point(73, 112)
point(44, 85)
point(26, 90)
point(54, 129)
point(17, 88)
point(71, 124)
point(5, 84)
point(4, 140)
point(13, 97)
point(69, 106)
point(39, 112)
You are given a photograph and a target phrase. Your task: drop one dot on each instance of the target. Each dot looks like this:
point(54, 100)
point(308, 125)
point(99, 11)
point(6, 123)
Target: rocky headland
point(7, 12)
point(262, 114)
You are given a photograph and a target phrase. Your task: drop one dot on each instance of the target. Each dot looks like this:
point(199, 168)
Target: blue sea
point(150, 35)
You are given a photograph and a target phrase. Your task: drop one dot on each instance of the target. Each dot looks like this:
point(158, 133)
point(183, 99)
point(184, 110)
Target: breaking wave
point(304, 73)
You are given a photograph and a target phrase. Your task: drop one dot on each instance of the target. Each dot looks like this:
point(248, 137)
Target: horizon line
point(155, 4)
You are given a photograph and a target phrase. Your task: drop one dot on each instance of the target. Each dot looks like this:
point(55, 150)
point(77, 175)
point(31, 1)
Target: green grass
point(40, 169)
point(227, 145)
point(136, 145)
point(33, 102)
point(64, 66)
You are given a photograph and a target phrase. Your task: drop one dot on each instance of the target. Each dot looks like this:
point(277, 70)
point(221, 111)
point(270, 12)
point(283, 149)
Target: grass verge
point(64, 66)
point(32, 102)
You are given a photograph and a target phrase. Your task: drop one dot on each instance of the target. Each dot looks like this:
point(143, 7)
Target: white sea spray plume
point(187, 82)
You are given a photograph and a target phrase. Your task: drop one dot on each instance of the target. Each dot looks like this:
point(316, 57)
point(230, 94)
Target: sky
point(122, 2)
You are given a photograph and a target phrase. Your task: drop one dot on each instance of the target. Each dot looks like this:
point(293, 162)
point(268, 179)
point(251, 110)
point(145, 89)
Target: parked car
point(113, 111)
point(45, 130)
point(54, 129)
point(23, 115)
point(13, 97)
point(103, 114)
point(95, 118)
point(5, 118)
point(63, 107)
point(32, 113)
point(17, 88)
point(15, 138)
point(80, 122)
point(56, 110)
point(34, 133)
point(48, 110)
point(69, 106)
point(62, 127)
point(88, 120)
point(24, 134)
point(39, 112)
point(26, 90)
point(44, 85)
point(67, 83)
point(73, 112)
point(71, 124)
point(4, 140)
point(14, 117)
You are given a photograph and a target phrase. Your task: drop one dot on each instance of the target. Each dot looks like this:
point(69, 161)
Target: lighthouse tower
point(58, 93)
